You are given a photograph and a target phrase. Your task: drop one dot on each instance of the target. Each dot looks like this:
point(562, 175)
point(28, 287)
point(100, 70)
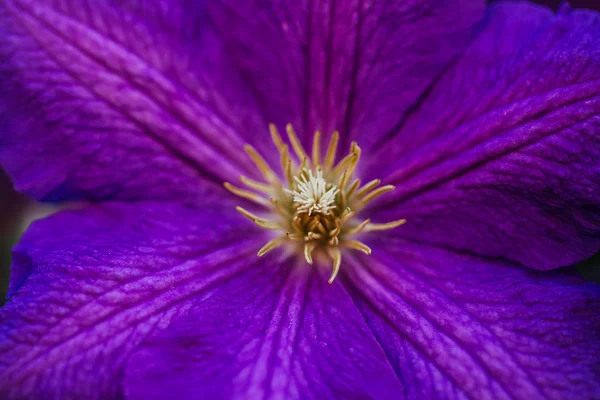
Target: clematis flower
point(483, 127)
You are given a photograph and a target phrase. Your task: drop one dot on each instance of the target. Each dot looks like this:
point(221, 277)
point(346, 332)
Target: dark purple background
point(591, 4)
point(11, 207)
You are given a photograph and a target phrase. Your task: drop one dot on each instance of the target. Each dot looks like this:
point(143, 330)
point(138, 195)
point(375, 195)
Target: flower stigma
point(315, 204)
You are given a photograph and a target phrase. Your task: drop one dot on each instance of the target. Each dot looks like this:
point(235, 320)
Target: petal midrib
point(372, 274)
point(168, 293)
point(177, 137)
point(421, 167)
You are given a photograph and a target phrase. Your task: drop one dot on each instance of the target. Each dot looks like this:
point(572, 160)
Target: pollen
point(314, 202)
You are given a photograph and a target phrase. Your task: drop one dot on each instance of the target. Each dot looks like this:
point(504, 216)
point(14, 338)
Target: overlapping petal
point(356, 66)
point(88, 286)
point(450, 326)
point(458, 326)
point(290, 335)
point(99, 100)
point(503, 157)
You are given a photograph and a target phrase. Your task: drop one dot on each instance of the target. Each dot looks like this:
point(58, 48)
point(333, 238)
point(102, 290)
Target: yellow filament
point(347, 216)
point(385, 226)
point(331, 150)
point(341, 186)
point(356, 245)
point(355, 149)
point(376, 193)
point(294, 236)
point(359, 228)
point(365, 189)
point(272, 244)
point(285, 156)
point(262, 222)
point(261, 164)
point(289, 174)
point(353, 187)
point(345, 162)
point(316, 149)
point(246, 194)
point(336, 256)
point(296, 145)
point(251, 183)
point(308, 249)
point(313, 235)
point(343, 180)
point(276, 137)
point(303, 165)
point(282, 210)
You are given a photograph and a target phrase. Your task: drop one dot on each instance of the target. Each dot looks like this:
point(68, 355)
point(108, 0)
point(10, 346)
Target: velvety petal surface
point(356, 66)
point(291, 336)
point(503, 157)
point(88, 285)
point(409, 322)
point(458, 326)
point(110, 99)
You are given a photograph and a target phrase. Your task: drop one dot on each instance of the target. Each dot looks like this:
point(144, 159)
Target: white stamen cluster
point(312, 194)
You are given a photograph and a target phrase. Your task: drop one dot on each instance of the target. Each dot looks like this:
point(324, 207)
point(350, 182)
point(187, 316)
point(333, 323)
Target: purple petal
point(350, 65)
point(89, 285)
point(104, 102)
point(284, 335)
point(503, 157)
point(457, 326)
point(450, 326)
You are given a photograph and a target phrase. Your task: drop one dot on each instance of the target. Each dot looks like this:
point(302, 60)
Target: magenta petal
point(89, 285)
point(457, 326)
point(101, 101)
point(286, 334)
point(352, 65)
point(503, 157)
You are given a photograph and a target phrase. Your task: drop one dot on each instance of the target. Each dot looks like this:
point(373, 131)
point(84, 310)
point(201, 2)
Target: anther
point(308, 249)
point(272, 244)
point(246, 194)
point(261, 164)
point(359, 228)
point(368, 187)
point(356, 245)
point(263, 223)
point(331, 151)
point(261, 187)
point(336, 255)
point(298, 149)
point(386, 226)
point(377, 193)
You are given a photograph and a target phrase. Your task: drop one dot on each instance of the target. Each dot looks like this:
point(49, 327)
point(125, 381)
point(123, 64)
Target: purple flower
point(486, 122)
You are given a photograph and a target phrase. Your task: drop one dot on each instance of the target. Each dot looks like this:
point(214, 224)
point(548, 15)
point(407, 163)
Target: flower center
point(314, 205)
point(313, 194)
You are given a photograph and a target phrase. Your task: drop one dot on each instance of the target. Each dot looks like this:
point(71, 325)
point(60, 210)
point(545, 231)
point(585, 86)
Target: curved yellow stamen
point(331, 150)
point(384, 227)
point(272, 244)
point(316, 149)
point(296, 145)
point(246, 194)
point(315, 205)
point(336, 256)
